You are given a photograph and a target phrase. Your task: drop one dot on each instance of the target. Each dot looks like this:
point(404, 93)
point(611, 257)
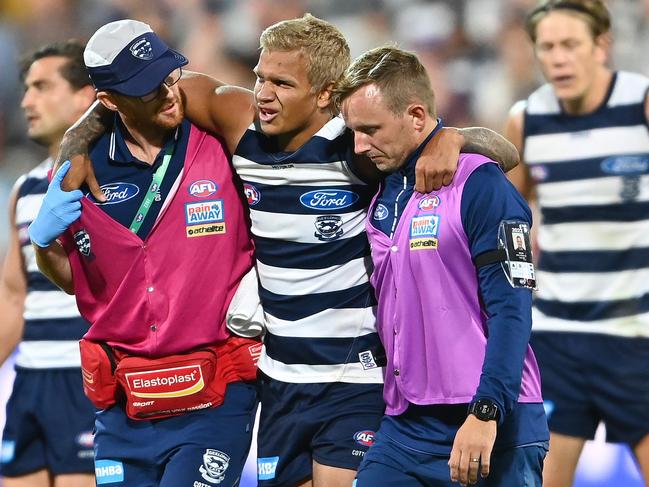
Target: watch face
point(485, 410)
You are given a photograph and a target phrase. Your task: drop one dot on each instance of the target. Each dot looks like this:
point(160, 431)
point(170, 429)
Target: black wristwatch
point(484, 409)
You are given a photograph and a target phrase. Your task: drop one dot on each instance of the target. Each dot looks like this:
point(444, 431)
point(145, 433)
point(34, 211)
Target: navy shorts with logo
point(49, 424)
point(331, 423)
point(198, 449)
point(588, 378)
point(390, 463)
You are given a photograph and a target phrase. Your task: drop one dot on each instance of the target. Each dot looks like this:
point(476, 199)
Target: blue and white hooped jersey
point(308, 213)
point(592, 176)
point(53, 325)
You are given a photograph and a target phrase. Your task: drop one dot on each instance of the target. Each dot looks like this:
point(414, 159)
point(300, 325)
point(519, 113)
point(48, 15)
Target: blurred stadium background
point(477, 53)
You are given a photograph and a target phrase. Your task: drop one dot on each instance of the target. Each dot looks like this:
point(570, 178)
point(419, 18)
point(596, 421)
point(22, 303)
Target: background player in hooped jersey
point(586, 152)
point(47, 440)
point(454, 324)
point(153, 271)
point(308, 194)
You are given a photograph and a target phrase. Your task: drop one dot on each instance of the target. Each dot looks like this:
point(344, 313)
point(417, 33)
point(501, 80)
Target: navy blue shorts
point(588, 378)
point(331, 423)
point(390, 463)
point(199, 449)
point(49, 424)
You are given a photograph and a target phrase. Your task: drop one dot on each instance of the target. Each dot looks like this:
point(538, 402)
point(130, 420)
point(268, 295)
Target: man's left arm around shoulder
point(438, 161)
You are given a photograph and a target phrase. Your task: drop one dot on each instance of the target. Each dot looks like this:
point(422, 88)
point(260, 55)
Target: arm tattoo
point(492, 145)
point(87, 129)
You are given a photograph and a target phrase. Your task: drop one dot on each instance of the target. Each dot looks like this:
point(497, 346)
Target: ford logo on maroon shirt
point(328, 199)
point(118, 192)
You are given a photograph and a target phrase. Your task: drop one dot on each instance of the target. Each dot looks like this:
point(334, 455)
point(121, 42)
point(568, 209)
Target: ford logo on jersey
point(202, 188)
point(625, 165)
point(119, 192)
point(328, 199)
point(365, 438)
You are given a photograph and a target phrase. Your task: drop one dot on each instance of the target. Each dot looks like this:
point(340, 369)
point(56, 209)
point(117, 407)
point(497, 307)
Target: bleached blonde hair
point(324, 46)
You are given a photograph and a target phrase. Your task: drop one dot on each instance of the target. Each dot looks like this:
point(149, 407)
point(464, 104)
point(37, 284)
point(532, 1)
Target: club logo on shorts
point(365, 438)
point(252, 194)
point(202, 188)
point(82, 239)
point(165, 383)
point(215, 463)
point(328, 227)
point(380, 212)
point(142, 49)
point(266, 468)
point(204, 218)
point(423, 232)
point(429, 203)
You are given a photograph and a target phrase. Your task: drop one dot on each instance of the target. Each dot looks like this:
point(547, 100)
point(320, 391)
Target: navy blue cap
point(128, 57)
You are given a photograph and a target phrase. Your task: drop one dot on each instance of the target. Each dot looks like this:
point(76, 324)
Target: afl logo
point(429, 203)
point(252, 194)
point(85, 439)
point(328, 199)
point(381, 212)
point(202, 188)
point(119, 192)
point(365, 438)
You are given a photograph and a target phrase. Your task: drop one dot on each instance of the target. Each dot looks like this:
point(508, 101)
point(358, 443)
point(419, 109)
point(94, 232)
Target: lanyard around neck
point(151, 193)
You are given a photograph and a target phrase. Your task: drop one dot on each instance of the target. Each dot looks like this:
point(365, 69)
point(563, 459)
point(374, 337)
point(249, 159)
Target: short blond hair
point(593, 12)
point(399, 75)
point(324, 46)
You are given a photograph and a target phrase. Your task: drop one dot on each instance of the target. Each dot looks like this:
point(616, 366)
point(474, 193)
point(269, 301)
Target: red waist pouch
point(157, 388)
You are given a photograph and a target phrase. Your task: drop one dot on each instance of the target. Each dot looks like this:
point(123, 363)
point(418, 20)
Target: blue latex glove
point(59, 210)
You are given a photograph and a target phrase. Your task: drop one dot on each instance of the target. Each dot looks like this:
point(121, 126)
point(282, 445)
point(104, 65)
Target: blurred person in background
point(308, 196)
point(47, 440)
point(585, 146)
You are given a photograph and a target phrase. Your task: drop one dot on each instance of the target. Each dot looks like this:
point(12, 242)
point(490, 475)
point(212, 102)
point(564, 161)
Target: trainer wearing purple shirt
point(459, 367)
